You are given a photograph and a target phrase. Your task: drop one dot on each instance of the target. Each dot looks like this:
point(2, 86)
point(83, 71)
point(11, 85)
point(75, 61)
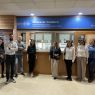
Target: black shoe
point(16, 75)
point(2, 76)
point(54, 78)
point(90, 81)
point(67, 78)
point(12, 80)
point(70, 79)
point(22, 74)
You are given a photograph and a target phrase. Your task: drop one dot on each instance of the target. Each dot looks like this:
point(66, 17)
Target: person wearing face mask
point(10, 49)
point(31, 50)
point(2, 57)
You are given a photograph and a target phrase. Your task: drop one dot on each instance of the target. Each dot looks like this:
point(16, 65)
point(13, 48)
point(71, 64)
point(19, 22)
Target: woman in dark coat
point(31, 50)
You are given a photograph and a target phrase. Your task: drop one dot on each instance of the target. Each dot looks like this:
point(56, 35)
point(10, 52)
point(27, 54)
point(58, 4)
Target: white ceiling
point(46, 7)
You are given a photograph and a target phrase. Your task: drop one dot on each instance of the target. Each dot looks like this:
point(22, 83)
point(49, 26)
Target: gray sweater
point(21, 47)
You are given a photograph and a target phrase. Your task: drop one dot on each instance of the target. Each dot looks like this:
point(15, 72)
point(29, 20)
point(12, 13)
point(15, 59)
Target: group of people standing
point(69, 57)
point(11, 53)
point(83, 55)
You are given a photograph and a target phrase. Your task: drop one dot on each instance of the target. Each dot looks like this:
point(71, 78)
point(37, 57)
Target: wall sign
point(64, 22)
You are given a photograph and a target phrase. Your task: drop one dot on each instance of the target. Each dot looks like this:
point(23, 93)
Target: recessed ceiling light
point(80, 13)
point(32, 14)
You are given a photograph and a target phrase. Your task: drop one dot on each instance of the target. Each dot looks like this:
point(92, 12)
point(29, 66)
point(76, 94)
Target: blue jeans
point(91, 68)
point(19, 62)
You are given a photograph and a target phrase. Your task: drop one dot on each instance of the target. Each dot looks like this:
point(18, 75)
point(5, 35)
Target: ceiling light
point(80, 13)
point(32, 14)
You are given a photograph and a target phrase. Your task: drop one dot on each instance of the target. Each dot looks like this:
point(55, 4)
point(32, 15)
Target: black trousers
point(2, 66)
point(69, 68)
point(10, 65)
point(91, 68)
point(31, 58)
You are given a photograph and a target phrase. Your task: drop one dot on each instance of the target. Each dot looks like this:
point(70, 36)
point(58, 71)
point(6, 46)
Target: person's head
point(55, 44)
point(19, 38)
point(69, 43)
point(91, 42)
point(32, 42)
point(1, 41)
point(82, 42)
point(11, 37)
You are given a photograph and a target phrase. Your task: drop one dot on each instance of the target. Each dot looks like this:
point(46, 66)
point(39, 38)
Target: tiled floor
point(46, 85)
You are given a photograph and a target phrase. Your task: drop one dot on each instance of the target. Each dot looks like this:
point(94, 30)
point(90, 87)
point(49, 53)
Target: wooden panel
point(6, 32)
point(15, 29)
point(78, 33)
point(6, 22)
point(43, 65)
point(27, 38)
point(25, 62)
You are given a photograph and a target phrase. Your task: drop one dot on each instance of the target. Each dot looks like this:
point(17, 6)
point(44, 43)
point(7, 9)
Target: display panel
point(45, 39)
point(63, 38)
point(39, 37)
point(56, 22)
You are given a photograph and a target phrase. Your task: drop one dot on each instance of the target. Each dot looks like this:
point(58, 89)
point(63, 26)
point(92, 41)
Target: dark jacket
point(31, 50)
point(1, 53)
point(91, 50)
point(2, 48)
point(55, 53)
